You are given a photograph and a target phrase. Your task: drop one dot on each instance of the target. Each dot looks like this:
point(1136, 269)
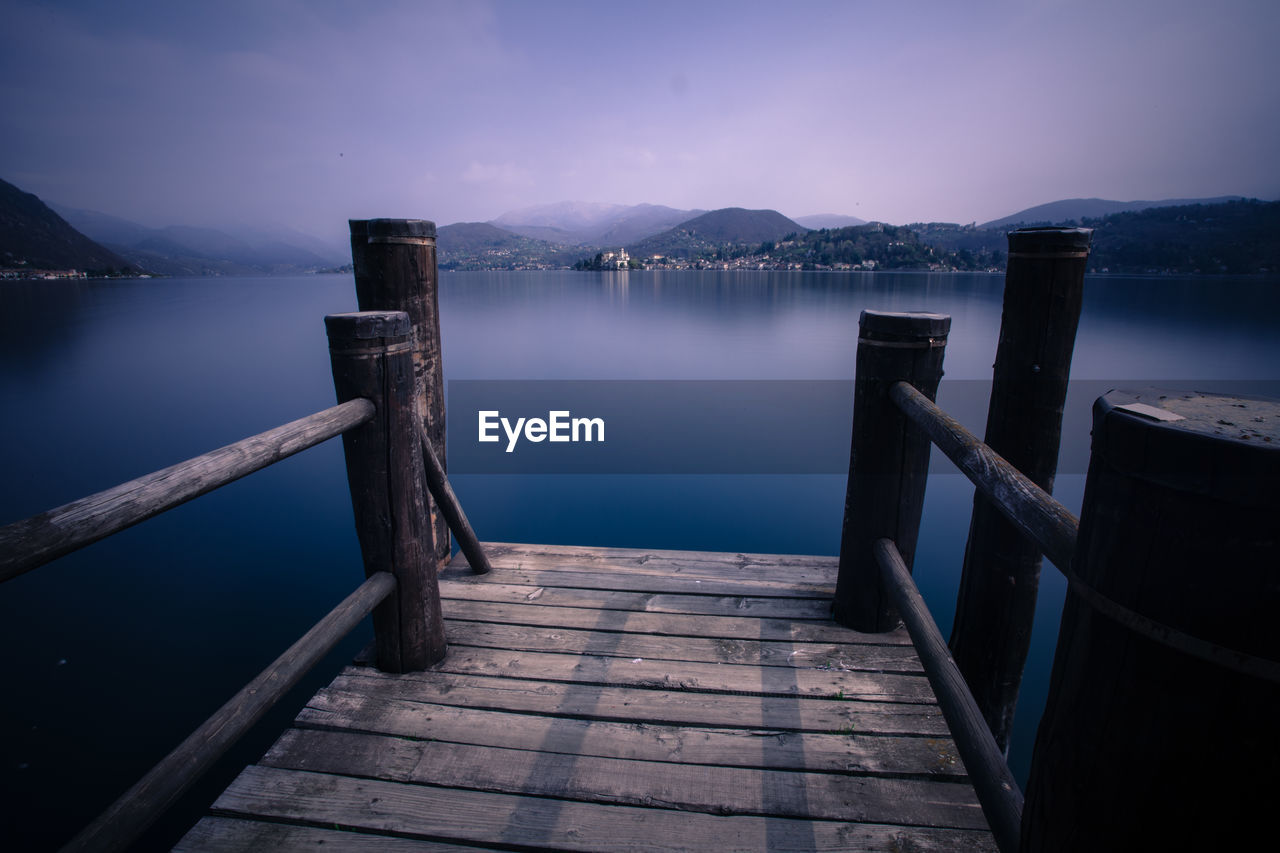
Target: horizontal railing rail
point(35, 541)
point(1048, 523)
point(32, 542)
point(997, 791)
point(126, 819)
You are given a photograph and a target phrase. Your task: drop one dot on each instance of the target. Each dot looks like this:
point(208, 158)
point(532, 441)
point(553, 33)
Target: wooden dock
point(620, 699)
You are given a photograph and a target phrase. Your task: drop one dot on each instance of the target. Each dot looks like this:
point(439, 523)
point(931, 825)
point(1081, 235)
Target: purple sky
point(309, 113)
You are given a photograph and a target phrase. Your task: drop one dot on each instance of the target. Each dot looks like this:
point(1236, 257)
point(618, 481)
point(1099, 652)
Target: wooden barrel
point(1165, 686)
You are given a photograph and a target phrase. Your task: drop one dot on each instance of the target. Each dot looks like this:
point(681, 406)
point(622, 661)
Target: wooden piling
point(372, 357)
point(395, 270)
point(995, 607)
point(1166, 682)
point(888, 459)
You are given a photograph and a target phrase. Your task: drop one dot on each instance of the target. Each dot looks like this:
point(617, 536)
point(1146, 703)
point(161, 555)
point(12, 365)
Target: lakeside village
point(620, 260)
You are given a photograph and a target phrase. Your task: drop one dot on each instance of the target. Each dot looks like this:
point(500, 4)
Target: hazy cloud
point(239, 110)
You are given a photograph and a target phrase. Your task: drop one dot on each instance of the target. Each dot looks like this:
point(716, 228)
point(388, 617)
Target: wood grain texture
point(670, 707)
point(659, 624)
point(888, 458)
point(32, 542)
point(794, 680)
point(571, 715)
point(721, 650)
point(370, 353)
point(542, 823)
point(995, 607)
point(846, 752)
point(231, 835)
point(685, 787)
point(395, 270)
point(604, 599)
point(1048, 523)
point(996, 788)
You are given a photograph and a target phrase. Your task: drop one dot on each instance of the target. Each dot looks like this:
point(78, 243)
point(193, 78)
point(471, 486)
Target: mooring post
point(1159, 730)
point(888, 459)
point(995, 607)
point(395, 270)
point(372, 357)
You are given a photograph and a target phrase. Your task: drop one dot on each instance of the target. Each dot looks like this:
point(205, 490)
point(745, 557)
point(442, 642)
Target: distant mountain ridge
point(1074, 209)
point(33, 236)
point(828, 220)
point(733, 226)
point(592, 224)
point(193, 251)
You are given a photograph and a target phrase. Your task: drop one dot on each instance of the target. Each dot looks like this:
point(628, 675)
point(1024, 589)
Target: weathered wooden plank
point(442, 813)
point(657, 560)
point(235, 835)
point(32, 542)
point(657, 624)
point(712, 650)
point(602, 599)
point(696, 564)
point(687, 675)
point(625, 704)
point(700, 788)
point(820, 752)
point(605, 578)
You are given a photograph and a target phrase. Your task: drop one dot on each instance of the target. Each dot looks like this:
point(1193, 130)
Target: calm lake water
point(112, 655)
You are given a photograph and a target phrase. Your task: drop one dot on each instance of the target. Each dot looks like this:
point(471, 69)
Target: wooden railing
point(391, 469)
point(1170, 495)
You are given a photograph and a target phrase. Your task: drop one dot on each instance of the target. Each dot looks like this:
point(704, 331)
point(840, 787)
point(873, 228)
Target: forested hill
point(33, 237)
point(1235, 237)
point(717, 231)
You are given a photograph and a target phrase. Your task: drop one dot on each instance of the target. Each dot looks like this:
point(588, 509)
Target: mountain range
point(34, 235)
point(1077, 209)
point(190, 251)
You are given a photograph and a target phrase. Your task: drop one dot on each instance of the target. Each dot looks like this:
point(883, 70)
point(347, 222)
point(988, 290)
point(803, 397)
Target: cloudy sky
point(309, 113)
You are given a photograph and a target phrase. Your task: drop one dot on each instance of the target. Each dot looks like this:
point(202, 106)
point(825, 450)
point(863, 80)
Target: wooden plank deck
point(617, 699)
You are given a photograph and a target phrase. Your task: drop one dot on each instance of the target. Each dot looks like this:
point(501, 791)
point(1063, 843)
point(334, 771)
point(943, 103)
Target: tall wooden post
point(995, 608)
point(1159, 731)
point(372, 357)
point(888, 459)
point(395, 270)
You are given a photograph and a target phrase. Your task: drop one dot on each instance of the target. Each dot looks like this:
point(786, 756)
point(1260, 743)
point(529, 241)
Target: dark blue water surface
point(112, 655)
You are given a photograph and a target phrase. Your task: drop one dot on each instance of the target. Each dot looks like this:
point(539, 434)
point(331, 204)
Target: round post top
point(903, 326)
point(1049, 240)
point(402, 228)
